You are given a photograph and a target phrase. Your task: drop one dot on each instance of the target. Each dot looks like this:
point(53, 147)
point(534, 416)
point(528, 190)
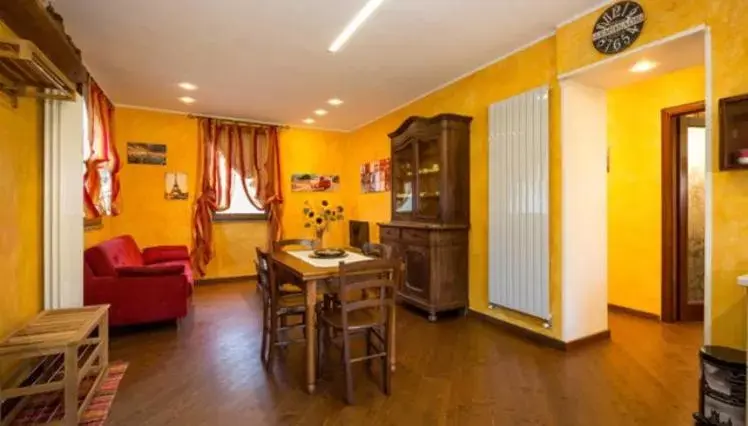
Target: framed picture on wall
point(175, 186)
point(146, 153)
point(309, 182)
point(375, 176)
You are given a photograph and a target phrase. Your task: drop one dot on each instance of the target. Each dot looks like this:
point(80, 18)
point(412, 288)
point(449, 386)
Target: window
point(240, 208)
point(104, 203)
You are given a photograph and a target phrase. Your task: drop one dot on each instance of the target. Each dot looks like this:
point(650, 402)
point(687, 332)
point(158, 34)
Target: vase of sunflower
point(319, 218)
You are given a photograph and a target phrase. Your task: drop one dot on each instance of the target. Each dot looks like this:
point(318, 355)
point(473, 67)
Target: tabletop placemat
point(327, 263)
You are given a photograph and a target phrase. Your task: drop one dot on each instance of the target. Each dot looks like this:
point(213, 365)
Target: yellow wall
point(152, 220)
point(729, 20)
point(21, 235)
point(312, 151)
point(471, 96)
point(21, 232)
point(634, 184)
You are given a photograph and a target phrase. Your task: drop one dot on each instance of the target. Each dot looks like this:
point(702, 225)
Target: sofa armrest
point(159, 254)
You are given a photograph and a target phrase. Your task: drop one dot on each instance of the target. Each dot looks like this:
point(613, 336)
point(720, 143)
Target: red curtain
point(251, 151)
point(103, 152)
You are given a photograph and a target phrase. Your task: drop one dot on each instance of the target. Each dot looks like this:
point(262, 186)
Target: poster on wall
point(308, 182)
point(375, 176)
point(175, 186)
point(146, 153)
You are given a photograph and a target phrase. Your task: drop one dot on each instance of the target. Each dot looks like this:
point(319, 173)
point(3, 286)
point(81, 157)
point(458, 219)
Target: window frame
point(239, 217)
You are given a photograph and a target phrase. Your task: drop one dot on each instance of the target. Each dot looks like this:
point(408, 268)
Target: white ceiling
point(680, 53)
point(267, 60)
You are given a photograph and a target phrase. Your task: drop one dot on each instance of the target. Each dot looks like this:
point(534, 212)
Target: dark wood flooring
point(460, 371)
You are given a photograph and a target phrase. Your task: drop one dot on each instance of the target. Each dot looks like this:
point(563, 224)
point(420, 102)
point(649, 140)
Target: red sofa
point(141, 287)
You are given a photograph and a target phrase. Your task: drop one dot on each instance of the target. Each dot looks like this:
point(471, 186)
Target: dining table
point(314, 274)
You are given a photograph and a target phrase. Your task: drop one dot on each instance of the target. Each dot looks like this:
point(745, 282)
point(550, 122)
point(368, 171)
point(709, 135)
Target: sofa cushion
point(148, 271)
point(119, 251)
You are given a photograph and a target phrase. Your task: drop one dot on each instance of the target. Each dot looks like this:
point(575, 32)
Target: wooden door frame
point(672, 198)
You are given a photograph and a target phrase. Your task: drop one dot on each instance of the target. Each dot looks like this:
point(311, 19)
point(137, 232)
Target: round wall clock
point(618, 27)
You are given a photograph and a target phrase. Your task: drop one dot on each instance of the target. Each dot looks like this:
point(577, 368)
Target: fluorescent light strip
point(357, 21)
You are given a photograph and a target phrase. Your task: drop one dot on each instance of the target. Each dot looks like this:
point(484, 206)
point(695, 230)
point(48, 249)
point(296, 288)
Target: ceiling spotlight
point(335, 102)
point(320, 112)
point(643, 66)
point(187, 86)
point(308, 121)
point(187, 100)
point(352, 26)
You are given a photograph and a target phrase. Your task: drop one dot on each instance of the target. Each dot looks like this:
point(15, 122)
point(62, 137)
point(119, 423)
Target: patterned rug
point(48, 408)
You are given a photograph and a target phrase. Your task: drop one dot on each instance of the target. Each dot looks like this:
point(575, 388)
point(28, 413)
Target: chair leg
point(386, 370)
point(320, 348)
point(368, 349)
point(265, 331)
point(273, 336)
point(348, 370)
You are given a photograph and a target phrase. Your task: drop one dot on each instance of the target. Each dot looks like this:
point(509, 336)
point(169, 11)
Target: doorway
point(684, 147)
point(622, 238)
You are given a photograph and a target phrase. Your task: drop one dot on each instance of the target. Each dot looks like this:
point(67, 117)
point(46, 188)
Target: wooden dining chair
point(277, 308)
point(382, 251)
point(368, 317)
point(287, 286)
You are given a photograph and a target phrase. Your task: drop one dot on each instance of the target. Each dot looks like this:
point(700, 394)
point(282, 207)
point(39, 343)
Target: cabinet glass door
point(429, 172)
point(403, 175)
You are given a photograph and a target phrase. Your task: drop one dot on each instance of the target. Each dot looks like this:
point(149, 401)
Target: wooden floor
point(459, 371)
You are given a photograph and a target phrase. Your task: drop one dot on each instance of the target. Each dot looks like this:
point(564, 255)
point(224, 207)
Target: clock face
point(618, 27)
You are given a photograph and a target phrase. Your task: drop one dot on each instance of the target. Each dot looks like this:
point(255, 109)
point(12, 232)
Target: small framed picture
point(175, 186)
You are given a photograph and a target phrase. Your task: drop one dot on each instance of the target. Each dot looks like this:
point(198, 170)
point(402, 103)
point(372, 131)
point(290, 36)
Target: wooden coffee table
point(63, 348)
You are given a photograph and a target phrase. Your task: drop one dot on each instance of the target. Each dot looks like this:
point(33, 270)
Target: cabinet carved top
point(426, 121)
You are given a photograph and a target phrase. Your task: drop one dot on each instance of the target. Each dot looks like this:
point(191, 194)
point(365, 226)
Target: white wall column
point(63, 204)
point(584, 211)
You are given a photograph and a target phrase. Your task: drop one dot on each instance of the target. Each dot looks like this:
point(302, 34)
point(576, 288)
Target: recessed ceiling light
point(352, 26)
point(308, 121)
point(335, 102)
point(643, 66)
point(320, 112)
point(187, 100)
point(187, 86)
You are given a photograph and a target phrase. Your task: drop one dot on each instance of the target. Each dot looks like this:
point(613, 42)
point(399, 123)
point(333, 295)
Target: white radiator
point(518, 204)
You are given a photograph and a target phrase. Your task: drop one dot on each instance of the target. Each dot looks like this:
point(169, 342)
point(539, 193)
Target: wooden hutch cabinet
point(431, 210)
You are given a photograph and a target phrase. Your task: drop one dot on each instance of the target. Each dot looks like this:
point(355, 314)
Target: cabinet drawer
point(390, 233)
point(416, 236)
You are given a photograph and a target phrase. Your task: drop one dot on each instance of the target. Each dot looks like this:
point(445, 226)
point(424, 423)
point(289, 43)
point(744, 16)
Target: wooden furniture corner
point(64, 350)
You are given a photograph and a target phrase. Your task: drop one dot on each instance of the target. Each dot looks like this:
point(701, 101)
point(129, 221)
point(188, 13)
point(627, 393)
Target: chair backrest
point(382, 251)
point(358, 233)
point(374, 276)
point(263, 271)
point(282, 244)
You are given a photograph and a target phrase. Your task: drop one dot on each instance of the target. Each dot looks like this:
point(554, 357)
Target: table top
point(54, 328)
point(303, 270)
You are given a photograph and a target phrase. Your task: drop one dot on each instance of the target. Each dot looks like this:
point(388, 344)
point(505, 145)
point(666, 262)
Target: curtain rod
point(239, 121)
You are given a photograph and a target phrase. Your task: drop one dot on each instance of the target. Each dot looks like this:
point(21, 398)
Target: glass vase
point(320, 236)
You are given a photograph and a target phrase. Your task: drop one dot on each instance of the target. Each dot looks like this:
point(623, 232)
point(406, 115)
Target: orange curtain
point(251, 151)
point(103, 152)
